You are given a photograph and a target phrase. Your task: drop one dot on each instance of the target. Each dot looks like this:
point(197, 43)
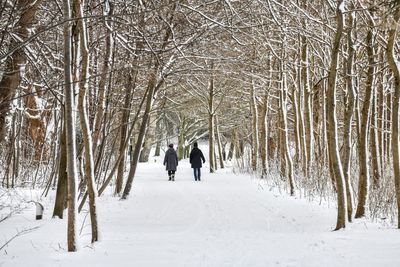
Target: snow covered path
point(224, 220)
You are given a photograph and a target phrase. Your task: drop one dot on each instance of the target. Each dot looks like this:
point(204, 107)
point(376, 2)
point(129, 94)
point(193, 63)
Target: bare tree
point(70, 130)
point(14, 70)
point(394, 66)
point(333, 146)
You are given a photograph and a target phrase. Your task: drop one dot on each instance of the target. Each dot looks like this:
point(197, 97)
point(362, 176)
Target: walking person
point(196, 160)
point(171, 162)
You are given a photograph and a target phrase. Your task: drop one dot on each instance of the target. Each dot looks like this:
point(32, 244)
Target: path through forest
point(224, 220)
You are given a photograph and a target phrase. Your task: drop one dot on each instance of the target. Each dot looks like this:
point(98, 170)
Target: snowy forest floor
point(224, 220)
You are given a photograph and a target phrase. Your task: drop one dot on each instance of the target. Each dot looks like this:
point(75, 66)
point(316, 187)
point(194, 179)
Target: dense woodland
point(304, 94)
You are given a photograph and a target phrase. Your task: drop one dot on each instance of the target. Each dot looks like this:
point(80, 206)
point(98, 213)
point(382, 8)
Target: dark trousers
point(171, 175)
point(197, 174)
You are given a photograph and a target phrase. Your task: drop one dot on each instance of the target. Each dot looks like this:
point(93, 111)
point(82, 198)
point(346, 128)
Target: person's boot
point(173, 177)
point(169, 178)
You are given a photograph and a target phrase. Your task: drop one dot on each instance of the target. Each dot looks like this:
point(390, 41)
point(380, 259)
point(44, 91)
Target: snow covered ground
point(224, 220)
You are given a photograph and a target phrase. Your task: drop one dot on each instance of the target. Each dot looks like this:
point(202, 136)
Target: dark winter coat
point(171, 159)
point(196, 158)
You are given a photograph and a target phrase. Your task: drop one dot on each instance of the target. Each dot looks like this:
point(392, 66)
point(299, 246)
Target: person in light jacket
point(196, 160)
point(171, 162)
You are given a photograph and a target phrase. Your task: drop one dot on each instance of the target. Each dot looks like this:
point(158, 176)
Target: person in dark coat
point(171, 162)
point(196, 159)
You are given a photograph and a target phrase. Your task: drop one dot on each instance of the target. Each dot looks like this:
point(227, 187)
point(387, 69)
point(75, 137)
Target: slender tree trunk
point(231, 148)
point(149, 139)
point(254, 124)
point(70, 131)
point(159, 135)
point(348, 119)
point(104, 77)
point(151, 90)
point(181, 137)
point(394, 66)
point(211, 121)
point(308, 103)
point(84, 120)
point(375, 149)
point(333, 147)
point(297, 127)
point(61, 195)
point(263, 108)
point(375, 137)
point(301, 125)
point(218, 139)
point(382, 107)
point(122, 135)
point(286, 154)
point(363, 139)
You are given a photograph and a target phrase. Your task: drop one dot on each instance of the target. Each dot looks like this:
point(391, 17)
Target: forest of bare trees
point(303, 94)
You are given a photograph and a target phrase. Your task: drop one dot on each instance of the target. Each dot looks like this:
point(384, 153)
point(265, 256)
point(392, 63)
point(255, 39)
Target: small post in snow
point(39, 211)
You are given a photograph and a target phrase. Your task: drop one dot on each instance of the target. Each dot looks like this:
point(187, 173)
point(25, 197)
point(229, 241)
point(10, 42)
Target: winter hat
point(195, 144)
point(171, 145)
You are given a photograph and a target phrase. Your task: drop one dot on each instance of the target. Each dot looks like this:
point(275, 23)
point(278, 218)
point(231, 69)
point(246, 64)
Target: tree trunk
point(348, 119)
point(363, 139)
point(218, 139)
point(84, 120)
point(211, 121)
point(231, 148)
point(297, 130)
point(14, 69)
point(181, 137)
point(61, 195)
point(123, 133)
point(375, 149)
point(149, 139)
point(103, 78)
point(263, 108)
point(151, 90)
point(394, 66)
point(333, 147)
point(254, 124)
point(308, 103)
point(159, 135)
point(70, 130)
point(286, 148)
